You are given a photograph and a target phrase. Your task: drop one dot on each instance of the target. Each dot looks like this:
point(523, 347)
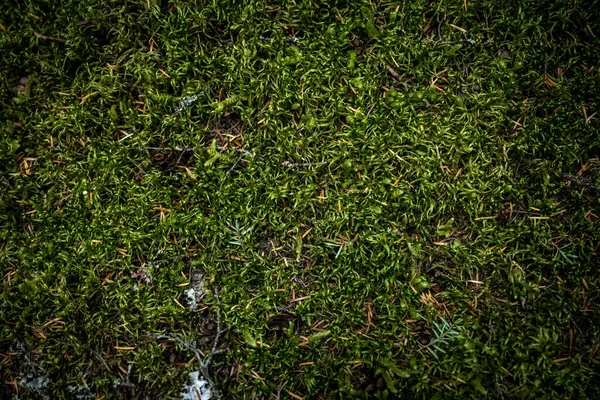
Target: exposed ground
point(364, 199)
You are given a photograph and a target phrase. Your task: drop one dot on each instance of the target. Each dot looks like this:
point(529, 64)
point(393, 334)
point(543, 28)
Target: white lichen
point(80, 392)
point(186, 102)
point(197, 291)
point(197, 388)
point(37, 385)
point(191, 298)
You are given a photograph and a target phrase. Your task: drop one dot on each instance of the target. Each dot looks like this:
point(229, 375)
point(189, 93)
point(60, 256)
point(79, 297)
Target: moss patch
point(392, 199)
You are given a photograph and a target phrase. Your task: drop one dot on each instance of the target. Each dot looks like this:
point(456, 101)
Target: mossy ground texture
point(371, 199)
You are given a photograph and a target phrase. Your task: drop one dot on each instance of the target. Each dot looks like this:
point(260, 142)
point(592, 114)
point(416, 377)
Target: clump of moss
point(391, 199)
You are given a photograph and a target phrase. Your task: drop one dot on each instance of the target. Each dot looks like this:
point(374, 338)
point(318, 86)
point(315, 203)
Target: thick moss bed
point(366, 199)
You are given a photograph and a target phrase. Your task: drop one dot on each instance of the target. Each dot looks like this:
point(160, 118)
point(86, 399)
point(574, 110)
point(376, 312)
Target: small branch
point(394, 73)
point(290, 164)
point(246, 152)
point(204, 363)
point(230, 169)
point(49, 38)
point(191, 149)
point(177, 148)
point(579, 182)
point(218, 335)
point(574, 323)
point(397, 76)
point(102, 360)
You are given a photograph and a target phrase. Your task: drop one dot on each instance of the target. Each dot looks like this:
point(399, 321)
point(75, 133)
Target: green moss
point(347, 177)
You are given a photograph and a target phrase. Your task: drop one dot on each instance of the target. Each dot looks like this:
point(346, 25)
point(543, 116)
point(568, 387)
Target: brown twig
point(394, 73)
point(579, 182)
point(49, 38)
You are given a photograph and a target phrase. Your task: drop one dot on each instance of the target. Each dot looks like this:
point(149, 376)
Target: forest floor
point(299, 200)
